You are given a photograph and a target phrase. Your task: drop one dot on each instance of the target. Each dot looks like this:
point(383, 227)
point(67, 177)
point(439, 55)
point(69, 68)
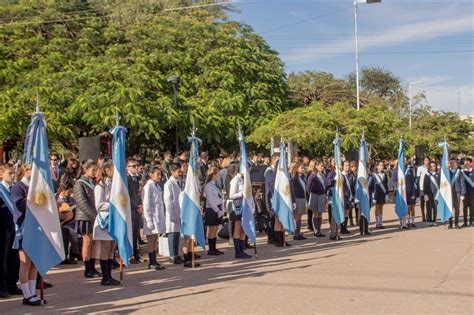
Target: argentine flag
point(362, 185)
point(191, 217)
point(401, 207)
point(42, 237)
point(248, 204)
point(120, 215)
point(444, 196)
point(338, 190)
point(281, 200)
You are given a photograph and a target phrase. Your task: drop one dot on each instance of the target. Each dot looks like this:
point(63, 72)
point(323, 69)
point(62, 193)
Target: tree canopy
point(87, 59)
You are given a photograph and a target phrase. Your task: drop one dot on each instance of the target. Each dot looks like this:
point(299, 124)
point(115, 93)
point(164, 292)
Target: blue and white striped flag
point(120, 214)
point(42, 237)
point(248, 204)
point(444, 196)
point(281, 200)
point(401, 206)
point(338, 190)
point(191, 218)
point(362, 185)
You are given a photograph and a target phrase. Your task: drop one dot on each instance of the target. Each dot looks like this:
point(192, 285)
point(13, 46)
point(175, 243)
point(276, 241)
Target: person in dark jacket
point(269, 175)
point(430, 190)
point(298, 195)
point(353, 181)
point(86, 213)
point(136, 208)
point(458, 190)
point(380, 193)
point(316, 186)
point(411, 194)
point(468, 203)
point(348, 196)
point(9, 260)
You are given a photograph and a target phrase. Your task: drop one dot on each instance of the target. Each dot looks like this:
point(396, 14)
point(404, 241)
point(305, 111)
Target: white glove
point(150, 225)
point(427, 198)
point(462, 198)
point(294, 206)
point(356, 200)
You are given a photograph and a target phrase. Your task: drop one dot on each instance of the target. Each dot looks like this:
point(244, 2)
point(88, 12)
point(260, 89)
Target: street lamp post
point(175, 81)
point(356, 3)
point(409, 92)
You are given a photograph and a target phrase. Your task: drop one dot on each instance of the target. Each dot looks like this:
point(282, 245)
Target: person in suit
point(421, 172)
point(171, 193)
point(348, 196)
point(380, 193)
point(468, 203)
point(153, 215)
point(354, 206)
point(458, 189)
point(57, 171)
point(133, 180)
point(411, 194)
point(430, 190)
point(9, 260)
point(269, 176)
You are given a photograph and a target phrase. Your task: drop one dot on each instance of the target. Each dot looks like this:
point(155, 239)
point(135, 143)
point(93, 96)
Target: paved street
point(423, 270)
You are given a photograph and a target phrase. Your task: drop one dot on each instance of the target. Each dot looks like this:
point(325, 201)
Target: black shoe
point(135, 260)
point(110, 282)
point(196, 256)
point(450, 227)
point(413, 225)
point(46, 285)
point(242, 256)
point(176, 261)
point(219, 252)
point(299, 238)
point(345, 231)
point(114, 282)
point(155, 266)
point(367, 233)
point(15, 291)
point(68, 262)
point(32, 301)
point(333, 238)
point(4, 295)
point(246, 256)
point(213, 253)
point(287, 244)
point(465, 225)
point(189, 264)
point(89, 274)
point(457, 227)
point(319, 234)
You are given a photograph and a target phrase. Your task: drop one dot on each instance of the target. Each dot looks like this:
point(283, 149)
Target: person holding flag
point(236, 195)
point(430, 193)
point(458, 188)
point(401, 207)
point(337, 206)
point(282, 202)
point(468, 203)
point(39, 235)
point(192, 227)
point(444, 197)
point(410, 186)
point(380, 193)
point(362, 194)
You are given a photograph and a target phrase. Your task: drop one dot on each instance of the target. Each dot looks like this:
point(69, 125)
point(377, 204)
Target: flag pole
point(43, 301)
point(192, 253)
point(121, 271)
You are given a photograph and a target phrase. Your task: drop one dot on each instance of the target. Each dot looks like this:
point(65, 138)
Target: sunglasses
point(54, 159)
point(133, 165)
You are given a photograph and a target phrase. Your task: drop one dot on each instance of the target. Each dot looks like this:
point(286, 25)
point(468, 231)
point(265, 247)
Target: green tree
point(88, 59)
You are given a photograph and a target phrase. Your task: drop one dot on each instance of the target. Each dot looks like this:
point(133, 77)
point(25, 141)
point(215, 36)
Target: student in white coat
point(104, 245)
point(171, 193)
point(236, 195)
point(153, 215)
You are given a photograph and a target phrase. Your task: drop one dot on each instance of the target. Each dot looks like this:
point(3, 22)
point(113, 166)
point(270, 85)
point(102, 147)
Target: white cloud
point(445, 97)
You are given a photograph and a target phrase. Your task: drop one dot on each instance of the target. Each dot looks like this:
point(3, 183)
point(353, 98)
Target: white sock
point(32, 285)
point(381, 219)
point(25, 288)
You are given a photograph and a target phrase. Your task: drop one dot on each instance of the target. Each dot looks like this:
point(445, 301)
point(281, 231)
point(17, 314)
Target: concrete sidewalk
point(422, 270)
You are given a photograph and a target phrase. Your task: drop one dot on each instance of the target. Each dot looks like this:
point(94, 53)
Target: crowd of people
point(83, 190)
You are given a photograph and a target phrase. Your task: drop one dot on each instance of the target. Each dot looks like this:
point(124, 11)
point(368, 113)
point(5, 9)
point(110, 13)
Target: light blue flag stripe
point(401, 207)
point(191, 219)
point(338, 194)
point(444, 196)
point(41, 231)
point(281, 200)
point(119, 204)
point(362, 185)
point(248, 205)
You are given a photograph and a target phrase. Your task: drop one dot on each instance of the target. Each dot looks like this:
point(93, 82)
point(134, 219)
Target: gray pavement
point(422, 270)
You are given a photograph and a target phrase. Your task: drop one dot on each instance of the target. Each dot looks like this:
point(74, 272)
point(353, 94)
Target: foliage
point(87, 59)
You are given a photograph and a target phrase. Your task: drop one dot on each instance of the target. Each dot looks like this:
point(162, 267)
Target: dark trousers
point(70, 239)
point(310, 220)
point(422, 206)
point(456, 208)
point(173, 244)
point(431, 210)
point(354, 214)
point(468, 204)
point(136, 221)
point(9, 259)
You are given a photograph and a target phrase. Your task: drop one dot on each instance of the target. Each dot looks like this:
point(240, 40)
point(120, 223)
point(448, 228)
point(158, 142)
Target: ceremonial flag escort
point(362, 185)
point(281, 200)
point(248, 204)
point(191, 218)
point(120, 216)
point(42, 238)
point(444, 196)
point(338, 193)
point(401, 207)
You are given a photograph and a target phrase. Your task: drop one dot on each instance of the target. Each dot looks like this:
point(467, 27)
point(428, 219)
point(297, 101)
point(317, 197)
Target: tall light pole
point(356, 3)
point(409, 92)
point(175, 81)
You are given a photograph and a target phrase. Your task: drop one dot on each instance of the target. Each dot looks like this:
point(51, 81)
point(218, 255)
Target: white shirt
point(236, 189)
point(7, 186)
point(421, 173)
point(171, 192)
point(214, 197)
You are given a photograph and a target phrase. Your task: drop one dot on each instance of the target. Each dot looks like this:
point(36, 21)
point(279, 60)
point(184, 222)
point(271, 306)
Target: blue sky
point(404, 36)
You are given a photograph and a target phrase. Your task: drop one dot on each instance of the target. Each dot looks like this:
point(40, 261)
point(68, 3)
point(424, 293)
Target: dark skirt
point(84, 227)
point(379, 198)
point(210, 217)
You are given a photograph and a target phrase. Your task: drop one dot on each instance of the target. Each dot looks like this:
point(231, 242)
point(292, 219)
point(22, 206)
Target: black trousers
point(468, 204)
point(310, 219)
point(456, 208)
point(431, 210)
point(422, 206)
point(136, 222)
point(9, 259)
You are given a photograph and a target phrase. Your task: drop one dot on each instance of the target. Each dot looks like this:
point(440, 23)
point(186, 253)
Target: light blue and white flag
point(401, 206)
point(120, 214)
point(362, 185)
point(281, 200)
point(338, 190)
point(8, 200)
point(42, 237)
point(444, 196)
point(248, 203)
point(191, 218)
